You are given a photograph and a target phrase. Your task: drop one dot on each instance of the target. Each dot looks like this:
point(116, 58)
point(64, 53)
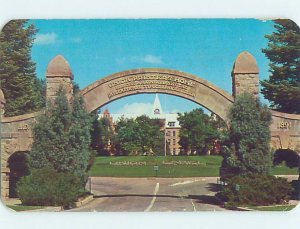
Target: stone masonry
point(245, 75)
point(59, 74)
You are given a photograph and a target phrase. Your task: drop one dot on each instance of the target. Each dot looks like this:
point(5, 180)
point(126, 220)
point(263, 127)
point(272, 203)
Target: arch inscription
point(166, 81)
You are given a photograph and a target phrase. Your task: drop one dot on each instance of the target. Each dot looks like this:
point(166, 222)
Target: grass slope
point(274, 208)
point(24, 207)
point(206, 166)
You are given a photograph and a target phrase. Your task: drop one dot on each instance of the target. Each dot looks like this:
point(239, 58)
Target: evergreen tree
point(248, 150)
point(283, 51)
point(18, 79)
point(101, 134)
point(62, 137)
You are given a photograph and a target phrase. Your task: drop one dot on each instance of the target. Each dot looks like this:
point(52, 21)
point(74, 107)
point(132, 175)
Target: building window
point(168, 133)
point(174, 151)
point(171, 123)
point(174, 141)
point(174, 133)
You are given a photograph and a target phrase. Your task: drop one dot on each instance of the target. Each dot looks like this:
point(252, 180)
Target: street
point(152, 194)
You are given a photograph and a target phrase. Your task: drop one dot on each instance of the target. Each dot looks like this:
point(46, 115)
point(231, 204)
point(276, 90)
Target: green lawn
point(274, 208)
point(284, 170)
point(19, 208)
point(200, 166)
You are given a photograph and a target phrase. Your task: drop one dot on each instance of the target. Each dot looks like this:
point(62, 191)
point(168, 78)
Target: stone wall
point(245, 83)
point(16, 135)
point(285, 131)
point(54, 83)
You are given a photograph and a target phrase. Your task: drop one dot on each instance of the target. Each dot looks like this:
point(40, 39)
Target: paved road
point(152, 194)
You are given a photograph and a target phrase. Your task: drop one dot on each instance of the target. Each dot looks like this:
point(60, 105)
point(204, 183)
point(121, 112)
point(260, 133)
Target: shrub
point(247, 148)
point(46, 187)
point(62, 137)
point(256, 190)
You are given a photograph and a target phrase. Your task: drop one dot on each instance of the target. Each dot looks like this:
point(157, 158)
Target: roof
point(245, 63)
point(157, 110)
point(59, 67)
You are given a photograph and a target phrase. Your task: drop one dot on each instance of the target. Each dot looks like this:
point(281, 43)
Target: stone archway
point(157, 80)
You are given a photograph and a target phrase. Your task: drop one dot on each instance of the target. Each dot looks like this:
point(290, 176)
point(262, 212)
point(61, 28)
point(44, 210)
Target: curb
point(244, 209)
point(84, 201)
point(46, 209)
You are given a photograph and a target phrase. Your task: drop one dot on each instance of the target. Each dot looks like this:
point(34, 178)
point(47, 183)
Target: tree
point(23, 91)
point(139, 136)
point(283, 51)
point(198, 131)
point(62, 137)
point(247, 150)
point(102, 135)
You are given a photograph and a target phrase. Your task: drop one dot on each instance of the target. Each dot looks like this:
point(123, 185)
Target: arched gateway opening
point(156, 80)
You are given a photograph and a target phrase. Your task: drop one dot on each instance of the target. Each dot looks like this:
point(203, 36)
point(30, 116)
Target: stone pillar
point(59, 74)
point(245, 75)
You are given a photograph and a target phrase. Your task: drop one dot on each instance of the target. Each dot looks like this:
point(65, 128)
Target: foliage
point(62, 137)
point(247, 149)
point(91, 159)
point(198, 131)
point(283, 51)
point(139, 136)
point(102, 135)
point(47, 187)
point(256, 190)
point(23, 92)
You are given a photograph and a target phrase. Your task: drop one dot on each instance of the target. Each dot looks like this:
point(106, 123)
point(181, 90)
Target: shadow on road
point(213, 187)
point(204, 199)
point(138, 195)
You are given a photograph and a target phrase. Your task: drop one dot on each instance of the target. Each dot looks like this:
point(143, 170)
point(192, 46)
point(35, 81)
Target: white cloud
point(136, 109)
point(152, 59)
point(45, 39)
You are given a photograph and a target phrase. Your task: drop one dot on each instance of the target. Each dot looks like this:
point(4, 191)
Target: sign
point(144, 81)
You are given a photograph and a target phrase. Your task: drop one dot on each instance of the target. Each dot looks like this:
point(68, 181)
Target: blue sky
point(203, 47)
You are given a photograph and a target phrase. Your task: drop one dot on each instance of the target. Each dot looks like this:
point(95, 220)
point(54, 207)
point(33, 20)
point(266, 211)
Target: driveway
point(152, 194)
